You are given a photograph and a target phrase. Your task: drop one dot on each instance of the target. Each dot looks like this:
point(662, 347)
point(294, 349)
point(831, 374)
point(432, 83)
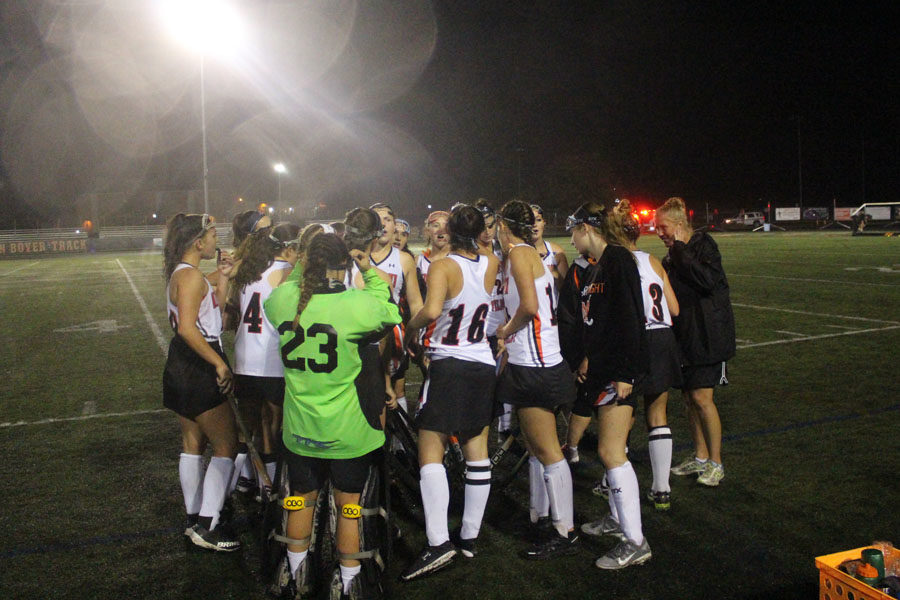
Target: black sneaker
point(554, 547)
point(218, 539)
point(189, 522)
point(245, 485)
point(661, 500)
point(431, 559)
point(466, 547)
point(541, 531)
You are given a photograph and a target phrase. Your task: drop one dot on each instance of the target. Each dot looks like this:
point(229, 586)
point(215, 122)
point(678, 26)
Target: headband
point(253, 220)
point(438, 213)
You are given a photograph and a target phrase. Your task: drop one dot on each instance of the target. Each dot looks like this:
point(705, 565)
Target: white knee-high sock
point(539, 501)
point(478, 488)
point(347, 575)
point(660, 445)
point(612, 501)
point(401, 400)
point(215, 486)
point(270, 471)
point(558, 479)
point(239, 461)
point(435, 500)
point(623, 486)
point(190, 472)
point(247, 470)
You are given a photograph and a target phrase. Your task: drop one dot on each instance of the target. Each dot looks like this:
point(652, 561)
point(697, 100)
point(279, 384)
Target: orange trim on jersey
point(398, 337)
point(427, 337)
point(536, 322)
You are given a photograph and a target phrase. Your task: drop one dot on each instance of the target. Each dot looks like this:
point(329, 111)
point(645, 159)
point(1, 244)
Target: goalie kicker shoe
point(218, 539)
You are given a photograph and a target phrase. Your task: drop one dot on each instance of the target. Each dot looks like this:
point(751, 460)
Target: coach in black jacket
point(705, 331)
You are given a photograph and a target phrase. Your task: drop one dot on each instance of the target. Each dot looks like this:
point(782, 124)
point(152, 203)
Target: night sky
point(447, 101)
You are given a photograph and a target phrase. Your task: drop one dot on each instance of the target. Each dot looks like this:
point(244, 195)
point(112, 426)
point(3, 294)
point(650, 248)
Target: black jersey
point(613, 312)
point(705, 322)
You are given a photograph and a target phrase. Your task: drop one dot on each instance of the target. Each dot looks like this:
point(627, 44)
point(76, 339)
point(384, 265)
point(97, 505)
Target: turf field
point(92, 504)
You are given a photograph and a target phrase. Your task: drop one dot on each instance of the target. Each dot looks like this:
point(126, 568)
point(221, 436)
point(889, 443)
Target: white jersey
point(394, 269)
point(209, 318)
point(423, 261)
point(656, 308)
point(549, 258)
point(460, 330)
point(536, 344)
point(256, 350)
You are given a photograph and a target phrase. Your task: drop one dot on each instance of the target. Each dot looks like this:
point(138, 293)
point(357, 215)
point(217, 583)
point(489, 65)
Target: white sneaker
point(625, 554)
point(712, 475)
point(689, 466)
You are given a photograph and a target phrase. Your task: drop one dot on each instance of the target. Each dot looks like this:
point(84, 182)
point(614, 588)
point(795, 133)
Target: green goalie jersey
point(324, 416)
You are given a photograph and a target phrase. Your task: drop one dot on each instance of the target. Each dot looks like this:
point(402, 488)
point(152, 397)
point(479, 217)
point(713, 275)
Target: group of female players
point(505, 322)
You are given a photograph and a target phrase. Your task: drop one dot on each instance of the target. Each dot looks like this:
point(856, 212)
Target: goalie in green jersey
point(332, 426)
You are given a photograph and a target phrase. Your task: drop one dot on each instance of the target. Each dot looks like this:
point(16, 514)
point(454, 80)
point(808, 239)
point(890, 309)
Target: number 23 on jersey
point(325, 361)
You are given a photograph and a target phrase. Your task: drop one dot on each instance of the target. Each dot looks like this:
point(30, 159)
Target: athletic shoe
point(605, 526)
point(541, 531)
point(712, 475)
point(466, 547)
point(431, 559)
point(571, 454)
point(553, 548)
point(601, 488)
point(660, 500)
point(189, 522)
point(244, 485)
point(625, 554)
point(218, 539)
point(689, 466)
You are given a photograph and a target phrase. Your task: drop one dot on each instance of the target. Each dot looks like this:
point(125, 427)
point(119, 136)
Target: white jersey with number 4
point(256, 350)
point(460, 331)
point(209, 319)
point(656, 309)
point(536, 344)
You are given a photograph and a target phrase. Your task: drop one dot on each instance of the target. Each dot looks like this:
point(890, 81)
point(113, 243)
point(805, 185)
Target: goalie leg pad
point(371, 518)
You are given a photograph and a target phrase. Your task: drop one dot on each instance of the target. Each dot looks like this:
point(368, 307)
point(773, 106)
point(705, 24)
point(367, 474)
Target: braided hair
point(181, 231)
point(465, 225)
point(519, 218)
point(326, 251)
point(623, 221)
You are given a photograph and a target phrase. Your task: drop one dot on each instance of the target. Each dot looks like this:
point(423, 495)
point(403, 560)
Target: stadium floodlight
point(280, 170)
point(207, 27)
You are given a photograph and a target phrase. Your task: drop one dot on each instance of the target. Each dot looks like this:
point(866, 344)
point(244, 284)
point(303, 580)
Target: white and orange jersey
point(209, 318)
point(460, 331)
point(656, 308)
point(394, 268)
point(256, 350)
point(536, 344)
point(549, 258)
point(423, 261)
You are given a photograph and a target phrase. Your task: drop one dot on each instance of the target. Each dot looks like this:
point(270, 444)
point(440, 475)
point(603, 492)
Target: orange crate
point(837, 585)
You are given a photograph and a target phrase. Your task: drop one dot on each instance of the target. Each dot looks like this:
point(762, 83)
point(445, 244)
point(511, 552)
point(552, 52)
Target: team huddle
point(328, 318)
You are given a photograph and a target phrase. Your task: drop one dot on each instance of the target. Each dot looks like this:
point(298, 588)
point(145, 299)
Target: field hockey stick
point(255, 458)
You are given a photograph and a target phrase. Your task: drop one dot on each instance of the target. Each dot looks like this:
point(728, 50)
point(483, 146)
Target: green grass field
point(92, 504)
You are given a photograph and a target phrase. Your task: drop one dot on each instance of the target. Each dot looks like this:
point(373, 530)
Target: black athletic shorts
point(309, 473)
point(546, 387)
point(252, 388)
point(584, 404)
point(697, 377)
point(457, 396)
point(189, 382)
point(665, 362)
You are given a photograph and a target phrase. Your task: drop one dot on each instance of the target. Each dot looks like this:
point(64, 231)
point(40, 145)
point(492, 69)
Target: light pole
point(206, 27)
point(280, 170)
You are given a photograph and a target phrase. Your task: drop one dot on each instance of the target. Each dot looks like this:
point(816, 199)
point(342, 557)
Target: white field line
point(813, 314)
point(83, 417)
point(803, 335)
point(153, 326)
point(19, 268)
point(839, 281)
point(841, 327)
point(818, 337)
